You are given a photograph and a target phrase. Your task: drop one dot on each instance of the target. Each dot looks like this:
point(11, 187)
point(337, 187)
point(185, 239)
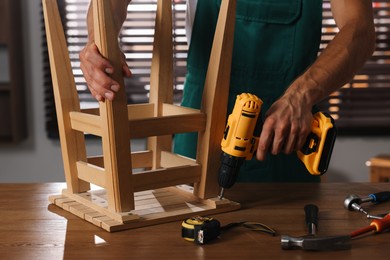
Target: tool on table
point(377, 225)
point(202, 230)
point(353, 202)
point(311, 218)
point(311, 241)
point(241, 137)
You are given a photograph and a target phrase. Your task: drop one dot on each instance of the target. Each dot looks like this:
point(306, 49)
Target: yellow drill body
point(239, 138)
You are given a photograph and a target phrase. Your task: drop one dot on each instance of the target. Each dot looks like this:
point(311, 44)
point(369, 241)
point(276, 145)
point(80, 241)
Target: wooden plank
point(116, 147)
point(161, 75)
point(214, 101)
point(86, 123)
point(159, 178)
point(100, 204)
point(140, 159)
point(166, 125)
point(92, 173)
point(173, 110)
point(139, 111)
point(143, 159)
point(171, 160)
point(91, 111)
point(65, 95)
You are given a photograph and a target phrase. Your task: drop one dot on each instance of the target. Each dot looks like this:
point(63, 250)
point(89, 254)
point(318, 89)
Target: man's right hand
point(97, 71)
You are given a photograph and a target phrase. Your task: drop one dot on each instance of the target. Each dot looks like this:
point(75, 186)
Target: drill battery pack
point(317, 150)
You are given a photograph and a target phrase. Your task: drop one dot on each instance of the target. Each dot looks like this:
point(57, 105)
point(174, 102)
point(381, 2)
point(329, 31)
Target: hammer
point(311, 241)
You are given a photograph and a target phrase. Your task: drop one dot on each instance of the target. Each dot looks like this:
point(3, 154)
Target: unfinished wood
point(166, 177)
point(141, 159)
point(138, 111)
point(171, 160)
point(153, 207)
point(214, 101)
point(116, 150)
point(173, 110)
point(86, 123)
point(65, 95)
point(161, 75)
point(98, 200)
point(166, 125)
point(92, 174)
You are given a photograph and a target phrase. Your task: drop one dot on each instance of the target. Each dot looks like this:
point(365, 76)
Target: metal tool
point(353, 202)
point(311, 218)
point(312, 242)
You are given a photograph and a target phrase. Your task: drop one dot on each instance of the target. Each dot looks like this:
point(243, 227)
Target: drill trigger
point(311, 144)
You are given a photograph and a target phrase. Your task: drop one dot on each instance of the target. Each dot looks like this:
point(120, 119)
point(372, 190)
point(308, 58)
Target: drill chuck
point(230, 166)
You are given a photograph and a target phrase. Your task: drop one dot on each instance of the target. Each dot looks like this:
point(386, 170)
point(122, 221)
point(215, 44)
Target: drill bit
point(221, 193)
point(358, 208)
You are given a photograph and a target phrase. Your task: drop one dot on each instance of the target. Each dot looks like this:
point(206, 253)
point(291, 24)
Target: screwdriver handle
point(380, 196)
point(381, 224)
point(377, 225)
point(311, 218)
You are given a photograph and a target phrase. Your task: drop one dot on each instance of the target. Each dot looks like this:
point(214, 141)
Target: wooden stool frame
point(129, 200)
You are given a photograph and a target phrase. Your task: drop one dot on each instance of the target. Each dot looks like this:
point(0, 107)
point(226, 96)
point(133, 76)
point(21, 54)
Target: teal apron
point(274, 42)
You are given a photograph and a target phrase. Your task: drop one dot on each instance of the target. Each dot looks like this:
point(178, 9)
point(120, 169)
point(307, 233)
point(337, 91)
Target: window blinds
point(362, 107)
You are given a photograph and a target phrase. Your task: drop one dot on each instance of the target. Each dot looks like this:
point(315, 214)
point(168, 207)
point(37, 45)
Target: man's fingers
point(291, 139)
point(265, 140)
point(125, 69)
point(96, 70)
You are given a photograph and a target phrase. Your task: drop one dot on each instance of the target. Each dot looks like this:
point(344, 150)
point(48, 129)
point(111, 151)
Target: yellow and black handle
point(317, 150)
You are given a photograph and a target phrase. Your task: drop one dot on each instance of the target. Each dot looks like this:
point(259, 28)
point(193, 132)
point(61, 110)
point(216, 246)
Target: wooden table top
point(32, 228)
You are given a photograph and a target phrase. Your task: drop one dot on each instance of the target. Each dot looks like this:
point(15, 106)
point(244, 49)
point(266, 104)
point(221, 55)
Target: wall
point(39, 159)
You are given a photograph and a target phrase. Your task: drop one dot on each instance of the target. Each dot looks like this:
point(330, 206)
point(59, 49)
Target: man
point(275, 57)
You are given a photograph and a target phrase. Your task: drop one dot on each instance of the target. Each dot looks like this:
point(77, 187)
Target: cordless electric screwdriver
point(241, 138)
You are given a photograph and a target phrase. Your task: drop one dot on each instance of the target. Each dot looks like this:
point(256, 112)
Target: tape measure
point(200, 230)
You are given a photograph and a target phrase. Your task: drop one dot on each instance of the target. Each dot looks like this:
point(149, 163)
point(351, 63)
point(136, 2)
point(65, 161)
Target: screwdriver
point(377, 225)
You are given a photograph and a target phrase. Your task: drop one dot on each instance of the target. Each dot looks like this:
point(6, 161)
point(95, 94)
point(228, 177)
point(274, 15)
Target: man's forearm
point(338, 63)
point(119, 10)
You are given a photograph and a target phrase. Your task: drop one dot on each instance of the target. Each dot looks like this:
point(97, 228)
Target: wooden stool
point(379, 168)
point(159, 194)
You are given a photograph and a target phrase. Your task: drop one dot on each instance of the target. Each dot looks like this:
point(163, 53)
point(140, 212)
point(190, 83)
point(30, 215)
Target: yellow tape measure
point(200, 230)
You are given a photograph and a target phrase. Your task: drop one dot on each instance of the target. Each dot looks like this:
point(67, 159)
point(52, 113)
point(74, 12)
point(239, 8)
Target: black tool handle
point(311, 218)
point(380, 196)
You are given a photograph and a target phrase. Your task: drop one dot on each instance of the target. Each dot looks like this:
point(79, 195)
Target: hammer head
point(313, 243)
